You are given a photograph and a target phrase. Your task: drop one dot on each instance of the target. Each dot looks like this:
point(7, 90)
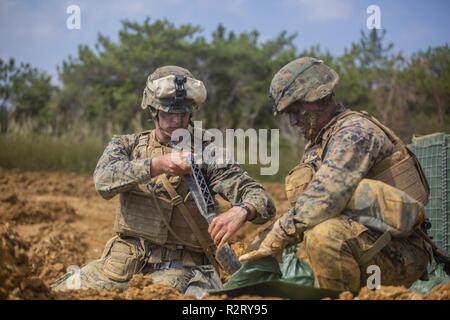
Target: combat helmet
point(305, 79)
point(173, 89)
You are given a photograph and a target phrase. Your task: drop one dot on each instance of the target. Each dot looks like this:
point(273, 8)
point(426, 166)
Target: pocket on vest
point(298, 180)
point(124, 259)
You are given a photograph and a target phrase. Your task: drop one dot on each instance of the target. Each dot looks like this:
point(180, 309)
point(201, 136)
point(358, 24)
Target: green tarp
point(437, 276)
point(292, 279)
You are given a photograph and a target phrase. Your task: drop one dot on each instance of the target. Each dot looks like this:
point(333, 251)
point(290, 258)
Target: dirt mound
point(249, 235)
point(441, 292)
point(54, 248)
point(16, 279)
point(55, 183)
point(46, 226)
point(139, 288)
point(143, 288)
point(51, 220)
point(89, 294)
point(18, 209)
point(28, 267)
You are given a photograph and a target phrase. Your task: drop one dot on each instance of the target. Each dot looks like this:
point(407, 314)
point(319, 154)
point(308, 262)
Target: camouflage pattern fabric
point(332, 243)
point(304, 79)
point(189, 280)
point(90, 277)
point(149, 99)
point(351, 152)
point(115, 173)
point(332, 249)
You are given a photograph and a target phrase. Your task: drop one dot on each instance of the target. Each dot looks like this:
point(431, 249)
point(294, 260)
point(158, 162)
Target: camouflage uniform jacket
point(356, 145)
point(116, 173)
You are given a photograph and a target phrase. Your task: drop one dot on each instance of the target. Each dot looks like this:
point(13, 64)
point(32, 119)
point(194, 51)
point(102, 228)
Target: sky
point(36, 32)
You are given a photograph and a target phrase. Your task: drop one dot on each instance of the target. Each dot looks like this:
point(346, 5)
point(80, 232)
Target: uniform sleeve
point(236, 186)
point(115, 172)
point(350, 154)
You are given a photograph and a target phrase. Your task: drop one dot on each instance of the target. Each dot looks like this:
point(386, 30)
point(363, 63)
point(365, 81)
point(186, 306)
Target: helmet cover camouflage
point(173, 89)
point(305, 79)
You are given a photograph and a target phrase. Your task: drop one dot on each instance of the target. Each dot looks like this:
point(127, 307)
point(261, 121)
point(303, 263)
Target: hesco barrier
point(433, 152)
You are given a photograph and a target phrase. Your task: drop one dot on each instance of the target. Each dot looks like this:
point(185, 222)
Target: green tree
point(430, 71)
point(25, 93)
point(370, 78)
point(237, 70)
point(104, 85)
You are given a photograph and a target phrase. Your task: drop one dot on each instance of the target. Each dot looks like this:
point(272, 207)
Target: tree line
point(102, 85)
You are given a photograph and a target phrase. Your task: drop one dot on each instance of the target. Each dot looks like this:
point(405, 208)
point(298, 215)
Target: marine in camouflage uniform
point(153, 237)
point(343, 148)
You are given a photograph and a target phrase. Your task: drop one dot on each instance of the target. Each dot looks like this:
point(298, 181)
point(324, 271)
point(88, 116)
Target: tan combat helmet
point(305, 79)
point(173, 89)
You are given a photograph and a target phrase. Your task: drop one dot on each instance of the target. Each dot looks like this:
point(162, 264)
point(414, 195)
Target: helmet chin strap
point(155, 118)
point(167, 133)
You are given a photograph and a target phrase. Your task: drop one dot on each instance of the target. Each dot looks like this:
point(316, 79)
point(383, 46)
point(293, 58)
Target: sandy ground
point(52, 220)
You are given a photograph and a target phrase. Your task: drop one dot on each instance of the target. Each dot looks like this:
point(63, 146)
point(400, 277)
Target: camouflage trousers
point(189, 280)
point(333, 248)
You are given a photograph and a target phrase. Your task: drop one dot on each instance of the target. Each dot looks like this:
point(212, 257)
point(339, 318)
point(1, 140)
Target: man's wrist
point(155, 166)
point(250, 211)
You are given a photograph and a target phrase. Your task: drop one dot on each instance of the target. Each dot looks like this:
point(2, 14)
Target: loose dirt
point(50, 221)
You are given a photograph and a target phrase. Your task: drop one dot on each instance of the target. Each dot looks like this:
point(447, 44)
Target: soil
point(50, 221)
point(441, 292)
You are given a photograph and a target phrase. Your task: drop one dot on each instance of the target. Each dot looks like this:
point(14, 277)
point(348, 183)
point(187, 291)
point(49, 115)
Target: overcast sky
point(36, 32)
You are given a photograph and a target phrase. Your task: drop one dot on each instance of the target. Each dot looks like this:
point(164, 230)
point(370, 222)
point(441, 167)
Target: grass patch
point(43, 152)
point(79, 152)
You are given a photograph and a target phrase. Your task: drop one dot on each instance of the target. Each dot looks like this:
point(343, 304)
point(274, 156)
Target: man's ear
point(154, 117)
point(153, 114)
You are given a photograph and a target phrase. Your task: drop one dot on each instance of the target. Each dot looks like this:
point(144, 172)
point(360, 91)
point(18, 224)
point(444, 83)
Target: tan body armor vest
point(148, 210)
point(401, 169)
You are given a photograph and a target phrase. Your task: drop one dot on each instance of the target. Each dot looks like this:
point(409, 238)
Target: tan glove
point(273, 244)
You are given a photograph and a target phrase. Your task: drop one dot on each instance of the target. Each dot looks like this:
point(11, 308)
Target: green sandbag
point(437, 276)
point(295, 270)
point(265, 278)
point(279, 289)
point(264, 269)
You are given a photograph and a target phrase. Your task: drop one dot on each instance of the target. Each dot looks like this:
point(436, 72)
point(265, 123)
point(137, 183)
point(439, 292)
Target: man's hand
point(272, 245)
point(174, 163)
point(226, 224)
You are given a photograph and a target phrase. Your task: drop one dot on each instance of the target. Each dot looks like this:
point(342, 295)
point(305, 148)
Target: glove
point(273, 244)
